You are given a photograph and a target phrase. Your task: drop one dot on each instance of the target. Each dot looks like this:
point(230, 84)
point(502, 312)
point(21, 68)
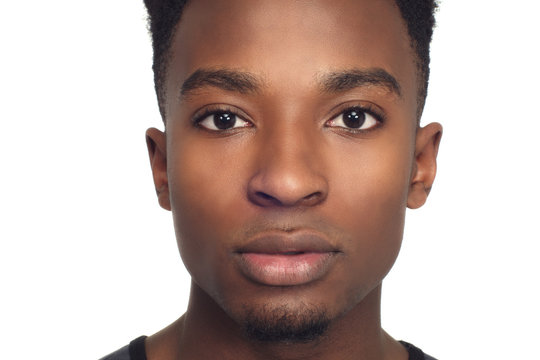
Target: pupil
point(354, 118)
point(224, 121)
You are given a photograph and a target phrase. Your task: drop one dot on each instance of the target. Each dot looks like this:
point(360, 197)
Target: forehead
point(290, 42)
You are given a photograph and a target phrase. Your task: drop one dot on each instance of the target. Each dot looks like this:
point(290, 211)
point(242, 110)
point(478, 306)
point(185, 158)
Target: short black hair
point(164, 16)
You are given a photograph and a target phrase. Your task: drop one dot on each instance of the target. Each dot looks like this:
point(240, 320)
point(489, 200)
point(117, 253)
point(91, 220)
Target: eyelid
point(211, 109)
point(367, 107)
point(375, 115)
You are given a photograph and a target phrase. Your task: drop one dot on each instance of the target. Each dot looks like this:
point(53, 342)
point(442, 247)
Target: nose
point(289, 173)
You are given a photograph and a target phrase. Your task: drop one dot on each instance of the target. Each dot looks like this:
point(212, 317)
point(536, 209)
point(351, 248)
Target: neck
point(206, 330)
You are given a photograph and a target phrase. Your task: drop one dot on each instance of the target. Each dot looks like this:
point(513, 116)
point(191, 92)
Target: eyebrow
point(247, 83)
point(225, 79)
point(341, 81)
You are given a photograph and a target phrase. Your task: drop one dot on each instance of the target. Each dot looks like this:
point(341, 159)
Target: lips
point(286, 259)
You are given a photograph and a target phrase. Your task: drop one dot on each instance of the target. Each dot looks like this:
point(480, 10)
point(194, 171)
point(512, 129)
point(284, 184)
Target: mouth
point(285, 259)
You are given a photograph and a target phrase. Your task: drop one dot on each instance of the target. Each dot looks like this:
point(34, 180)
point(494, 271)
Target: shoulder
point(120, 354)
point(415, 353)
point(134, 351)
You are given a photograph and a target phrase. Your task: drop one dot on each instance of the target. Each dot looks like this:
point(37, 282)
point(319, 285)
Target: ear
point(157, 151)
point(425, 164)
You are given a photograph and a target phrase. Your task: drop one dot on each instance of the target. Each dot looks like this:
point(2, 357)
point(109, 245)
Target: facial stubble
point(284, 324)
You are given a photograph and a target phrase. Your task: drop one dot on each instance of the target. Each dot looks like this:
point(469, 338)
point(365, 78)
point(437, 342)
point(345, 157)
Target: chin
point(285, 323)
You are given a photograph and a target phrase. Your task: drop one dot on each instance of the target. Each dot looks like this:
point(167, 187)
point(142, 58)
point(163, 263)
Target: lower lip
point(285, 270)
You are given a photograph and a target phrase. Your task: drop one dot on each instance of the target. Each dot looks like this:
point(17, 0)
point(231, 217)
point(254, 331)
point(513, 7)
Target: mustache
point(289, 223)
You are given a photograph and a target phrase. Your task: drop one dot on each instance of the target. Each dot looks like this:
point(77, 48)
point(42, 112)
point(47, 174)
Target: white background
point(88, 260)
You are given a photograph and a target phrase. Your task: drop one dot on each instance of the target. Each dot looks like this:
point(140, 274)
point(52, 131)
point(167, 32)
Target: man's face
point(290, 151)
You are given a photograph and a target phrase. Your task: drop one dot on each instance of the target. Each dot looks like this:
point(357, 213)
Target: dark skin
point(291, 74)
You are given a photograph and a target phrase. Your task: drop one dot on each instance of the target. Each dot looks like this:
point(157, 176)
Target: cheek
point(370, 205)
point(203, 183)
point(375, 190)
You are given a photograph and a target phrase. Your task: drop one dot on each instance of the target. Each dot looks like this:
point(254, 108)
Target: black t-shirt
point(136, 351)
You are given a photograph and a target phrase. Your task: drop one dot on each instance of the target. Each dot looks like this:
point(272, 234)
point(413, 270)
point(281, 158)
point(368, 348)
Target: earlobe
point(425, 164)
point(157, 151)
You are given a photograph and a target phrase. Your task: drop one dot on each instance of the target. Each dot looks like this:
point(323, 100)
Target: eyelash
point(212, 110)
point(368, 109)
point(217, 109)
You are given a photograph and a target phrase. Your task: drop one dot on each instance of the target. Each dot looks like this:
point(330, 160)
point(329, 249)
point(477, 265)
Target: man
point(291, 150)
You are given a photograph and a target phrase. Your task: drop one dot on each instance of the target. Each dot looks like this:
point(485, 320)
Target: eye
point(221, 120)
point(354, 118)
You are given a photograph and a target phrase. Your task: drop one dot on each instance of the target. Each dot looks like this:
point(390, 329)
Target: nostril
point(264, 195)
point(312, 198)
point(266, 199)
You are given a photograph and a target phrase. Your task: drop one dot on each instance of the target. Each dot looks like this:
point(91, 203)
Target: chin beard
point(285, 325)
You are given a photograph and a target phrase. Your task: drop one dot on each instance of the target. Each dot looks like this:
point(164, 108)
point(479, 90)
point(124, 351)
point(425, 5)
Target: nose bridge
point(289, 170)
point(284, 141)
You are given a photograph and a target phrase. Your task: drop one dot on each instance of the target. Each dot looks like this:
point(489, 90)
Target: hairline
point(422, 74)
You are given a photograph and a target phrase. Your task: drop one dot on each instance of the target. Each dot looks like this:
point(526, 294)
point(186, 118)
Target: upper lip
point(285, 242)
